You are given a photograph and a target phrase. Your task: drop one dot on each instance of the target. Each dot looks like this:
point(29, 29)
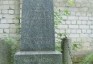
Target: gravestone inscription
point(37, 34)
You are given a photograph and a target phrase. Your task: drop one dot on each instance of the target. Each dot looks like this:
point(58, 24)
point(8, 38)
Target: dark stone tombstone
point(37, 34)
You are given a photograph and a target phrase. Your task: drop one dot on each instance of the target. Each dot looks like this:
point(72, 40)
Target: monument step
point(38, 57)
point(37, 52)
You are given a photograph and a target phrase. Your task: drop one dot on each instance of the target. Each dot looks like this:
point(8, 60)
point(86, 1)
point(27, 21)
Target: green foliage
point(88, 59)
point(13, 44)
point(71, 2)
point(66, 12)
point(57, 17)
point(76, 45)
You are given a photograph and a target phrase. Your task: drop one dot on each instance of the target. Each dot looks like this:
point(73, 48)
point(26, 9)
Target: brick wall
point(80, 21)
point(78, 25)
point(9, 18)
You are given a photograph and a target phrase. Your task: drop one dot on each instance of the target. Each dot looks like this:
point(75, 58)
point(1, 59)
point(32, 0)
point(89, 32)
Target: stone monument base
point(38, 57)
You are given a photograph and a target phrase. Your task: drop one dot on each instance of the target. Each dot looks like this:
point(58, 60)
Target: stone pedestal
point(38, 57)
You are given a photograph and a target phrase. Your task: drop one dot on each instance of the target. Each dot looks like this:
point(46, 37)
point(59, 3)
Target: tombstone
point(37, 34)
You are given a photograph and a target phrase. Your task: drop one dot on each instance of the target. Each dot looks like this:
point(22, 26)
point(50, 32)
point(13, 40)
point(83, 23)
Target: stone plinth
point(38, 57)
